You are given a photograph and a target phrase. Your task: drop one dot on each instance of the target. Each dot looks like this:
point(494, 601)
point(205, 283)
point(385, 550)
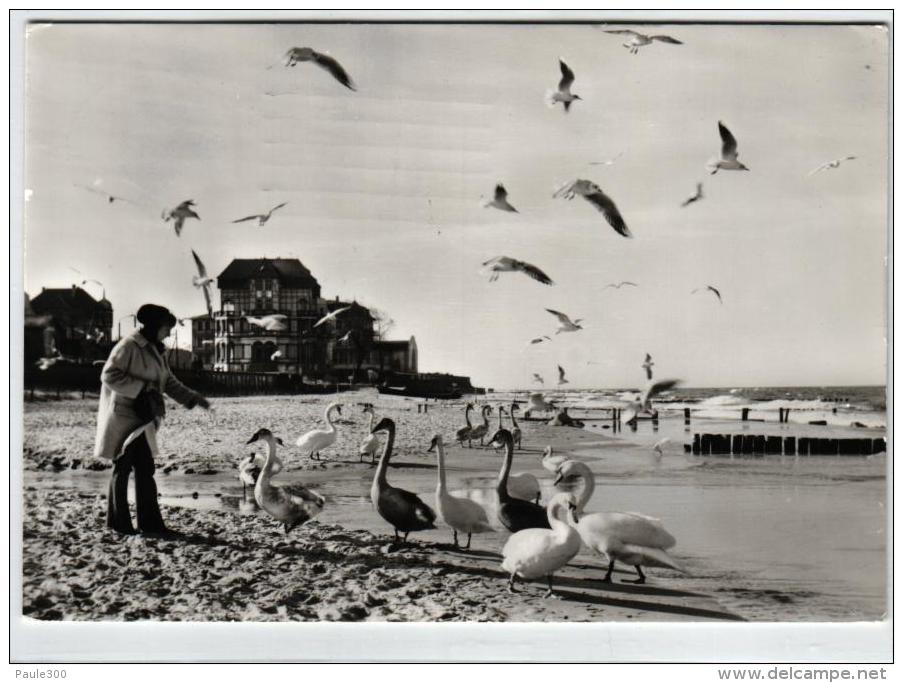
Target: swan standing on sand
point(627, 537)
point(461, 514)
point(370, 444)
point(524, 485)
point(533, 553)
point(514, 513)
point(402, 509)
point(317, 439)
point(291, 504)
point(463, 434)
point(516, 433)
point(480, 431)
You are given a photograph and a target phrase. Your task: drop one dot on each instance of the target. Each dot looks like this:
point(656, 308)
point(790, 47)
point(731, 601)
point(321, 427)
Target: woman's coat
point(133, 365)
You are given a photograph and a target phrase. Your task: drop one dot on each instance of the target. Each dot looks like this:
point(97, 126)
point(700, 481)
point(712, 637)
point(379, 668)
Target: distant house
point(264, 287)
point(81, 325)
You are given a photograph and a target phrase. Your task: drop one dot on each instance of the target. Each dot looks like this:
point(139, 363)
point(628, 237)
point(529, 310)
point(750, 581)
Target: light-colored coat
point(133, 365)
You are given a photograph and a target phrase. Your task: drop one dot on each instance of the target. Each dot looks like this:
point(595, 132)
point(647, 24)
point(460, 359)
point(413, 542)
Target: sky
point(385, 187)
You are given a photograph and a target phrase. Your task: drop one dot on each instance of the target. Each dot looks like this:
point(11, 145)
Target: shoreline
point(346, 553)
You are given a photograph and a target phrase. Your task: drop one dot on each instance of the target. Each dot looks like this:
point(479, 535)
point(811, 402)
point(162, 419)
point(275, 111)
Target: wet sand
point(234, 563)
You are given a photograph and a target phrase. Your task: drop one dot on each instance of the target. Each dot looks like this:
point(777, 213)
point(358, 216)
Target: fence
point(68, 377)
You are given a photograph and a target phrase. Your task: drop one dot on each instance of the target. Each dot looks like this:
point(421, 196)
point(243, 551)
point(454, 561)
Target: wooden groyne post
point(760, 444)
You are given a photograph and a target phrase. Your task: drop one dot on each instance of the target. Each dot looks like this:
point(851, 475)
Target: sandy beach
point(232, 562)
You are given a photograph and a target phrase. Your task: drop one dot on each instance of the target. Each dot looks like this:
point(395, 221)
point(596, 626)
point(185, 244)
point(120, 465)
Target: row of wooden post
point(759, 444)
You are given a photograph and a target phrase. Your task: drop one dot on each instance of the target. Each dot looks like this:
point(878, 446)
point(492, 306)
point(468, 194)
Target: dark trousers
point(137, 456)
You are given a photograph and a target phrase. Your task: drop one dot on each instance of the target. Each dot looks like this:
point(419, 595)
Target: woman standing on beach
point(131, 409)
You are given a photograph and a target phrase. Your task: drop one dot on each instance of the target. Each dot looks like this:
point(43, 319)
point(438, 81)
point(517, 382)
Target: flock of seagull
point(543, 539)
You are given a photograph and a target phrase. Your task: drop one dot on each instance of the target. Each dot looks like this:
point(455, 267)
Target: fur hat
point(155, 317)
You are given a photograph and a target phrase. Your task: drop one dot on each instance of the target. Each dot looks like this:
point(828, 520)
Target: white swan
point(370, 445)
point(461, 514)
point(524, 485)
point(532, 553)
point(552, 462)
point(291, 504)
point(627, 537)
point(480, 431)
point(317, 439)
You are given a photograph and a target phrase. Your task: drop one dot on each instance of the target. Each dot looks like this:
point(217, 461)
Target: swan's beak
point(251, 440)
point(279, 441)
point(558, 479)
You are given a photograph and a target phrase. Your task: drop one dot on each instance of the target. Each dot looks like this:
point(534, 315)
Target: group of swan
point(543, 540)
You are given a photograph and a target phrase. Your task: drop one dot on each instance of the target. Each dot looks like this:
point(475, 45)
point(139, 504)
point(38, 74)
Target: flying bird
point(561, 378)
point(45, 363)
point(565, 324)
point(332, 316)
point(179, 214)
point(203, 281)
point(500, 200)
point(710, 289)
point(638, 40)
point(306, 54)
point(540, 340)
point(647, 366)
point(622, 283)
point(347, 338)
point(276, 354)
point(644, 401)
point(110, 197)
point(728, 160)
point(505, 264)
point(693, 198)
point(595, 196)
point(261, 217)
point(275, 322)
point(563, 94)
point(538, 378)
point(831, 164)
point(607, 162)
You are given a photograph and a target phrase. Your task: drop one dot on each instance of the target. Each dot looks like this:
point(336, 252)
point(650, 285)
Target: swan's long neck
point(502, 485)
point(370, 423)
point(467, 415)
point(513, 421)
point(586, 491)
point(485, 418)
point(379, 478)
point(440, 459)
point(558, 518)
point(263, 478)
point(329, 410)
point(501, 412)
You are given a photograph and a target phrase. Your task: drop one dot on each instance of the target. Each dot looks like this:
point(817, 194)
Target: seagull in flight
point(728, 160)
point(831, 164)
point(565, 324)
point(505, 264)
point(261, 217)
point(693, 198)
point(276, 354)
point(638, 40)
point(622, 283)
point(203, 281)
point(607, 162)
point(179, 214)
point(563, 94)
point(561, 378)
point(332, 316)
point(110, 197)
point(500, 200)
point(595, 196)
point(275, 322)
point(538, 378)
point(540, 340)
point(644, 401)
point(647, 366)
point(710, 289)
point(306, 54)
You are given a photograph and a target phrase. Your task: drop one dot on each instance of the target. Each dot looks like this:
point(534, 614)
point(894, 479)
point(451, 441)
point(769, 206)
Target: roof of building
point(394, 344)
point(67, 300)
point(289, 271)
point(355, 306)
